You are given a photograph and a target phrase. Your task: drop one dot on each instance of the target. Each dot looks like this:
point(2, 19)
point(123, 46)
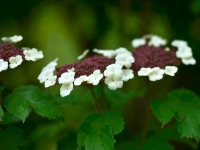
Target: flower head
point(33, 54)
point(125, 59)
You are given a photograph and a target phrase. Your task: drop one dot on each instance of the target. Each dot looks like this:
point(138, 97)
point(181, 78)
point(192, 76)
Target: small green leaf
point(184, 106)
point(101, 128)
point(11, 138)
point(119, 97)
point(1, 113)
point(23, 98)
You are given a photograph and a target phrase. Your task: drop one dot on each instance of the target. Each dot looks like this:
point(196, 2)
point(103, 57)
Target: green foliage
point(11, 138)
point(22, 98)
point(184, 106)
point(96, 131)
point(119, 97)
point(1, 113)
point(150, 144)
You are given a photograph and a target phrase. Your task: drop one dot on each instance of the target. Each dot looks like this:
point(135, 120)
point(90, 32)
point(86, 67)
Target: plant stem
point(96, 104)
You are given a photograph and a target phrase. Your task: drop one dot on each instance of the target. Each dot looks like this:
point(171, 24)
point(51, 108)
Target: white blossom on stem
point(144, 71)
point(184, 52)
point(15, 61)
point(3, 65)
point(78, 81)
point(138, 42)
point(66, 78)
point(171, 70)
point(66, 89)
point(51, 80)
point(95, 77)
point(156, 74)
point(125, 59)
point(127, 74)
point(157, 41)
point(189, 61)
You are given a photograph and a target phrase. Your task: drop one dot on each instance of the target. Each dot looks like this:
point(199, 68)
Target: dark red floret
point(87, 66)
point(8, 50)
point(150, 56)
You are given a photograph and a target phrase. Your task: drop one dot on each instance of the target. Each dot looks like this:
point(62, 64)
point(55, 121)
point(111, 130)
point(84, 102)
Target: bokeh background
point(65, 28)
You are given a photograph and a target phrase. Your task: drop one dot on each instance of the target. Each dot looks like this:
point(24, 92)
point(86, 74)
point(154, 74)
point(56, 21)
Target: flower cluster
point(154, 60)
point(13, 56)
point(150, 58)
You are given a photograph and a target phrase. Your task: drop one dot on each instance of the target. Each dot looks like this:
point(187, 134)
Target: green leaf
point(100, 129)
point(11, 138)
point(101, 140)
point(119, 97)
point(1, 113)
point(23, 98)
point(184, 105)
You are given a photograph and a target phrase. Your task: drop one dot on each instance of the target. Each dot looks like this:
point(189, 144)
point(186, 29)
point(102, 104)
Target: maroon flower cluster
point(87, 67)
point(149, 57)
point(8, 50)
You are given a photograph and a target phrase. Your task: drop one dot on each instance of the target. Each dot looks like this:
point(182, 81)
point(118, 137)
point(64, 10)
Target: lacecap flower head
point(153, 59)
point(12, 56)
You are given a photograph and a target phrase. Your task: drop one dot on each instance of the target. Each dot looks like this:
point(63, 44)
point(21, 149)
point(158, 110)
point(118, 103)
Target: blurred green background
point(64, 29)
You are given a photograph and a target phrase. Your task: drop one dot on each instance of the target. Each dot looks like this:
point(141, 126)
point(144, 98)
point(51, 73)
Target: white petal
point(3, 65)
point(95, 77)
point(156, 74)
point(66, 78)
point(83, 55)
point(189, 61)
point(138, 42)
point(179, 43)
point(80, 80)
point(51, 80)
point(15, 61)
point(157, 41)
point(125, 60)
point(171, 70)
point(112, 84)
point(107, 53)
point(13, 39)
point(122, 50)
point(66, 89)
point(43, 76)
point(184, 52)
point(127, 74)
point(144, 71)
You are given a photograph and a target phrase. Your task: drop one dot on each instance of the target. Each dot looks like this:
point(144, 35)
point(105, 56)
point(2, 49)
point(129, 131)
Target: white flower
point(113, 71)
point(113, 84)
point(184, 52)
point(157, 41)
point(125, 59)
point(51, 66)
point(122, 50)
point(44, 75)
point(127, 74)
point(138, 42)
point(83, 55)
point(3, 65)
point(95, 77)
point(33, 54)
point(80, 80)
point(107, 53)
point(179, 43)
point(66, 89)
point(156, 74)
point(171, 70)
point(51, 80)
point(15, 61)
point(66, 78)
point(144, 71)
point(13, 39)
point(189, 61)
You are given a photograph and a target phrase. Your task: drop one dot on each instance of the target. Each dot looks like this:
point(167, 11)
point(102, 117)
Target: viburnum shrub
point(103, 74)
